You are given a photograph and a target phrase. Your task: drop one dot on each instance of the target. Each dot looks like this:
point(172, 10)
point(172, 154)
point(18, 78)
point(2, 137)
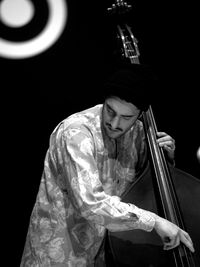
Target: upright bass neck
point(129, 42)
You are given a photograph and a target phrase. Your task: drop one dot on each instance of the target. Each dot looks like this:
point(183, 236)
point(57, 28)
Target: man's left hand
point(167, 142)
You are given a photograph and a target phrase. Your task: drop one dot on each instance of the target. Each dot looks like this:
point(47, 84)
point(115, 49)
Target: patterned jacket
point(85, 173)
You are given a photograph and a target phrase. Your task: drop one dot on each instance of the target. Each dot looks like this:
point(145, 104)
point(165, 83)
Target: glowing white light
point(50, 34)
point(16, 13)
point(198, 154)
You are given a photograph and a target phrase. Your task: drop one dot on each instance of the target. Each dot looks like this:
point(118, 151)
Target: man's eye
point(110, 111)
point(127, 118)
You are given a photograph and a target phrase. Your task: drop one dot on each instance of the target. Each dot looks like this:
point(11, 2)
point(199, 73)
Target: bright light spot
point(198, 154)
point(50, 34)
point(16, 13)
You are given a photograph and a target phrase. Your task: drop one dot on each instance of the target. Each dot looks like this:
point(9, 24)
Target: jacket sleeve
point(74, 153)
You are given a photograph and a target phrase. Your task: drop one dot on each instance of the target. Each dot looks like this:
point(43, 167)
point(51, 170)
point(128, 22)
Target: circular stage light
point(44, 40)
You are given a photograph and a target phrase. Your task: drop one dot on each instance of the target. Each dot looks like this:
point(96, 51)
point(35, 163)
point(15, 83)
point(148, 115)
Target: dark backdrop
point(38, 92)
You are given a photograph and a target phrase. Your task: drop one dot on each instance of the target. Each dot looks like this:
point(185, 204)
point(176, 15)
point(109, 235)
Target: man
point(93, 157)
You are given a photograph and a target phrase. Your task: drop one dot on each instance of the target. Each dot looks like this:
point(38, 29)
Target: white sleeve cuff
point(145, 220)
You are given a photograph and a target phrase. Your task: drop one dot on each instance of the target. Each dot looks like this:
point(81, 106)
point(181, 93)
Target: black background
point(38, 92)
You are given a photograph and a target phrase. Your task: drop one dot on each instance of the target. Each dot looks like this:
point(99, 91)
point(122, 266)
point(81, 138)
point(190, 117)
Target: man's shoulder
point(88, 118)
point(84, 116)
point(85, 121)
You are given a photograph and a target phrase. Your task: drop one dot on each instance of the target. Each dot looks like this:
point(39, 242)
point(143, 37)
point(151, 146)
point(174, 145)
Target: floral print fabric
point(85, 173)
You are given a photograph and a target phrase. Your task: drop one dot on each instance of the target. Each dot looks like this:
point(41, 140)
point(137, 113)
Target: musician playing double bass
point(93, 157)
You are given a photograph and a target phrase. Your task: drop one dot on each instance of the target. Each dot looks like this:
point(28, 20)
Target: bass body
point(138, 248)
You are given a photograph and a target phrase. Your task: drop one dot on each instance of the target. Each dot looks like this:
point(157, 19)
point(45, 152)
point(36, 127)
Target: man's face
point(118, 116)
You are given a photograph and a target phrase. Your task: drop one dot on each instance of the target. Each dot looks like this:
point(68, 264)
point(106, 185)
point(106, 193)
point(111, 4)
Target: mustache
point(116, 129)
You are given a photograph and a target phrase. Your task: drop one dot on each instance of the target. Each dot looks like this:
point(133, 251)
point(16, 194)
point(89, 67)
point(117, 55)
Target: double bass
point(161, 188)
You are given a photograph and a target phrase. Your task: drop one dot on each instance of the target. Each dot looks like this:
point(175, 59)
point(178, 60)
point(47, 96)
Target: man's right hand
point(171, 234)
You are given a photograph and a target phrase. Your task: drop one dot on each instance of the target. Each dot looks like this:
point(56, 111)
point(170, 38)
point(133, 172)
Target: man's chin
point(113, 135)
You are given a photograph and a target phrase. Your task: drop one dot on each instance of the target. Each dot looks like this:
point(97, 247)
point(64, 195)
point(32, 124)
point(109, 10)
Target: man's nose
point(115, 123)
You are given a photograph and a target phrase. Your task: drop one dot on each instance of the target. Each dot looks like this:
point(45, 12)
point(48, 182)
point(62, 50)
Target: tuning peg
point(119, 7)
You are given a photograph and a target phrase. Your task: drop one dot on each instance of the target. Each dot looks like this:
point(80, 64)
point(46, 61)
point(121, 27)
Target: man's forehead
point(122, 107)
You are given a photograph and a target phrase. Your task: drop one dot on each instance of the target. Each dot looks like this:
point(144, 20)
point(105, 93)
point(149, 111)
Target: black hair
point(133, 83)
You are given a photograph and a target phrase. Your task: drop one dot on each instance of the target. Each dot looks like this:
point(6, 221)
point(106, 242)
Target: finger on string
point(187, 236)
point(166, 139)
point(174, 242)
point(185, 239)
point(160, 134)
